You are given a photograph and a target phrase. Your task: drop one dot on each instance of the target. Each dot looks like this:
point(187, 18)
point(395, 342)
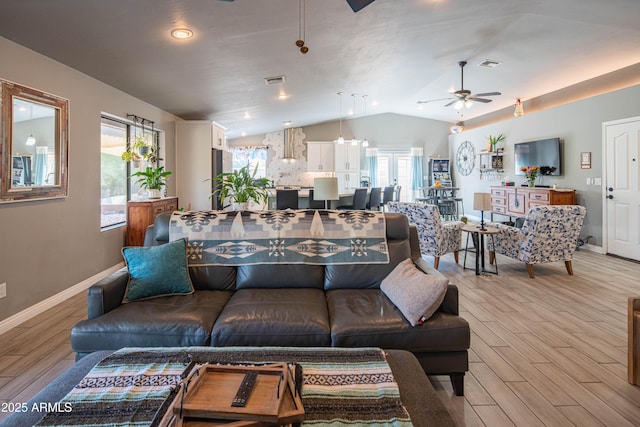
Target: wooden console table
point(141, 214)
point(516, 201)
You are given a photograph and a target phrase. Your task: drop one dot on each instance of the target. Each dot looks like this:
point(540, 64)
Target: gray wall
point(49, 246)
point(579, 126)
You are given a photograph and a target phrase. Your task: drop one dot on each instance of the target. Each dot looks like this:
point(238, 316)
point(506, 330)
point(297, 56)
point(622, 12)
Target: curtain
point(372, 159)
point(40, 166)
point(417, 174)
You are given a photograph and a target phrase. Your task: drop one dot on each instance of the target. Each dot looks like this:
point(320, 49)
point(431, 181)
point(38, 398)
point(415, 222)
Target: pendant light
point(365, 141)
point(340, 139)
point(31, 140)
point(354, 141)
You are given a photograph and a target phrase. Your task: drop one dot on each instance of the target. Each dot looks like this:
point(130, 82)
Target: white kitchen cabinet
point(348, 181)
point(320, 156)
point(347, 157)
point(196, 163)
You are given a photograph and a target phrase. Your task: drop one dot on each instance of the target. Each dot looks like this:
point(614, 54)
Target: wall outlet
point(3, 290)
point(597, 181)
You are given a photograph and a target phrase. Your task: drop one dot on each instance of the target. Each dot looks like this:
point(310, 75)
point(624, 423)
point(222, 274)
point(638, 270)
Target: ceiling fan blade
point(432, 100)
point(484, 100)
point(357, 5)
point(488, 94)
point(451, 103)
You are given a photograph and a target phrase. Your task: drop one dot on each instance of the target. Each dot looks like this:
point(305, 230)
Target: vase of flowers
point(531, 173)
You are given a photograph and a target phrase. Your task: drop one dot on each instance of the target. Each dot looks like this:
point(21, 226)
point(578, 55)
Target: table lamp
point(482, 202)
point(325, 189)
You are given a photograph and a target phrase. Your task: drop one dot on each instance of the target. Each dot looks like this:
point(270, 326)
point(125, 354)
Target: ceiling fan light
point(458, 105)
point(468, 103)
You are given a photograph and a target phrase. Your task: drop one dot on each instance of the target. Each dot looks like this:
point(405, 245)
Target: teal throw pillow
point(157, 271)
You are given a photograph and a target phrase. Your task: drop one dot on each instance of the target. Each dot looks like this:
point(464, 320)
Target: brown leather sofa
point(280, 305)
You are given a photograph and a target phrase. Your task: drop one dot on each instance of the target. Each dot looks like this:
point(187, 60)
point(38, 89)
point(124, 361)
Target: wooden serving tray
point(205, 398)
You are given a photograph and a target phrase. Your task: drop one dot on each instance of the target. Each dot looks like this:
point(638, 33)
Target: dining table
point(441, 196)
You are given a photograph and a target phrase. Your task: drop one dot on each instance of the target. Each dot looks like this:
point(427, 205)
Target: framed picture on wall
point(585, 160)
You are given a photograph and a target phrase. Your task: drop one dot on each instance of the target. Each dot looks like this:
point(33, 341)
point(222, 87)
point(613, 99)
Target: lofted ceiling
point(397, 52)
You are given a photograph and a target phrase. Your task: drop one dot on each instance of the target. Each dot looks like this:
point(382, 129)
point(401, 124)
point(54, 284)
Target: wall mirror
point(35, 143)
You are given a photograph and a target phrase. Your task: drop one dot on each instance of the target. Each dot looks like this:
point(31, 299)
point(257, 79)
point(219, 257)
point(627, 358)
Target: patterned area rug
point(283, 236)
point(341, 387)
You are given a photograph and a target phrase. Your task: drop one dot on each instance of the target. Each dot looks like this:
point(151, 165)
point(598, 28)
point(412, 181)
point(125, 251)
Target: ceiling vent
point(489, 63)
point(274, 80)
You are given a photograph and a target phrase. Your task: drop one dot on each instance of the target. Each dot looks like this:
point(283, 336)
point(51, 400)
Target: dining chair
point(387, 195)
point(286, 199)
point(315, 204)
point(359, 200)
point(375, 199)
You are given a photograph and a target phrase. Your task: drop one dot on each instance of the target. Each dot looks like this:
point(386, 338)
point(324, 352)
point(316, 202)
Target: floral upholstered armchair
point(436, 237)
point(549, 234)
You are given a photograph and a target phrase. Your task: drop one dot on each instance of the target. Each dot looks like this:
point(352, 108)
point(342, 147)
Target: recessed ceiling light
point(181, 33)
point(287, 123)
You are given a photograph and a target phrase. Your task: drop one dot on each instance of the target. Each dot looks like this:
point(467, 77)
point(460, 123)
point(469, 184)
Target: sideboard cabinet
point(141, 214)
point(516, 201)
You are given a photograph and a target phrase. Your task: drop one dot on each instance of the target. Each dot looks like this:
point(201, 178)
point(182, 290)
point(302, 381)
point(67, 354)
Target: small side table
point(477, 235)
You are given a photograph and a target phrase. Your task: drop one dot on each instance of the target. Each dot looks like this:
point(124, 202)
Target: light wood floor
point(549, 351)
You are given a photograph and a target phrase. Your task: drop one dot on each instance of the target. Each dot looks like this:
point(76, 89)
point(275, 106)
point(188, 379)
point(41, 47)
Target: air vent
point(489, 63)
point(274, 80)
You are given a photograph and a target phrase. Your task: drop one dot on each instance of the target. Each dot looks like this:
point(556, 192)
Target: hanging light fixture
point(340, 139)
point(354, 141)
point(365, 141)
point(31, 139)
point(519, 111)
point(302, 24)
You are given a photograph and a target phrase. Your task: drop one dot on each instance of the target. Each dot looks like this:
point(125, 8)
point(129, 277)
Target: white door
point(622, 139)
point(394, 167)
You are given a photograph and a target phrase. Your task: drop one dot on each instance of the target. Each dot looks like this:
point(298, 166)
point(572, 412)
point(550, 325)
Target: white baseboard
point(42, 306)
point(592, 248)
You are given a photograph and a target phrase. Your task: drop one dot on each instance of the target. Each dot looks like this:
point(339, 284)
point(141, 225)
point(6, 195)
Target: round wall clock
point(465, 158)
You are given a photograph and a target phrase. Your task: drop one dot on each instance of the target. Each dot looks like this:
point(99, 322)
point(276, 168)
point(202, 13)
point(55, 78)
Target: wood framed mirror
point(34, 149)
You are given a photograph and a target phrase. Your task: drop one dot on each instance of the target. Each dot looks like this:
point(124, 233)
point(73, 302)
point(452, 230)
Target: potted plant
point(152, 180)
point(141, 149)
point(241, 187)
point(494, 140)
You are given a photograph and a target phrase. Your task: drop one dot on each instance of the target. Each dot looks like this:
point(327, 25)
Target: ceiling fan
point(463, 97)
point(356, 5)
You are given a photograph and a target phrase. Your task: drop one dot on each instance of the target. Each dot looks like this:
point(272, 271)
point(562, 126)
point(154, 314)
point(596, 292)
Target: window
point(115, 188)
point(113, 173)
point(252, 156)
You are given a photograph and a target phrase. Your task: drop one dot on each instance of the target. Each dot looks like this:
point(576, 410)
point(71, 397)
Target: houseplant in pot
point(241, 187)
point(152, 180)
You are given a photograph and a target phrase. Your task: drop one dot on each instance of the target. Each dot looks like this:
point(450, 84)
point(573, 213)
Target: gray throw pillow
point(416, 294)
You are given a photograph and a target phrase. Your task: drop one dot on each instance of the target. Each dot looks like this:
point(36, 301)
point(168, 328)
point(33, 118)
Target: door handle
point(610, 196)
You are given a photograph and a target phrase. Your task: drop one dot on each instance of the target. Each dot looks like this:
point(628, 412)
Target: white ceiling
point(396, 51)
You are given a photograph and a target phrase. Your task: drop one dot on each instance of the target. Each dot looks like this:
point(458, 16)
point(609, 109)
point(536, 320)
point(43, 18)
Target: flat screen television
point(544, 153)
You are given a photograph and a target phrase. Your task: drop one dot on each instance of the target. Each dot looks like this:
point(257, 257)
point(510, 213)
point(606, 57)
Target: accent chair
point(436, 237)
point(549, 234)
